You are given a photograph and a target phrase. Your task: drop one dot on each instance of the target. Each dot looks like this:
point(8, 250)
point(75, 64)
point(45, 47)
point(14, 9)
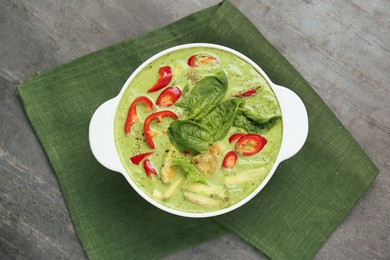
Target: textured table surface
point(342, 48)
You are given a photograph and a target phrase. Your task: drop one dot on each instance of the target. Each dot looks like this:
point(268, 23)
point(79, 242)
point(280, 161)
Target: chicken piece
point(207, 162)
point(217, 149)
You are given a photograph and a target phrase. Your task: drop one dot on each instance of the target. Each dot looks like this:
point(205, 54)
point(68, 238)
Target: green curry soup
point(197, 164)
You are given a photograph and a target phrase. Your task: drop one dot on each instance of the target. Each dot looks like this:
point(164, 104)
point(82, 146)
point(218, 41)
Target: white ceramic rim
point(278, 90)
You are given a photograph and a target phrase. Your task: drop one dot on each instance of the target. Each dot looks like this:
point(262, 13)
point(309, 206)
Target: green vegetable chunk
point(201, 200)
point(246, 177)
point(208, 190)
point(221, 118)
point(192, 174)
point(204, 96)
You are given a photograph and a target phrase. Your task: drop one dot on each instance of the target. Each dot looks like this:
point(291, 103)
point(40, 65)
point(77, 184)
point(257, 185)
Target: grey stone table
point(341, 47)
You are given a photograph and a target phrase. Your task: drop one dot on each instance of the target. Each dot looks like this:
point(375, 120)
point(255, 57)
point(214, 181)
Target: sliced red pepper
point(158, 115)
point(191, 61)
point(132, 115)
point(230, 160)
point(165, 74)
point(136, 159)
point(236, 136)
point(149, 169)
point(250, 144)
point(247, 93)
point(168, 97)
point(201, 59)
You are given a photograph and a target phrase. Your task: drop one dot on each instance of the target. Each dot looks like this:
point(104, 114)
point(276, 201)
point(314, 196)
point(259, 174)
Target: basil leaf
point(204, 96)
point(192, 174)
point(242, 121)
point(189, 135)
point(220, 119)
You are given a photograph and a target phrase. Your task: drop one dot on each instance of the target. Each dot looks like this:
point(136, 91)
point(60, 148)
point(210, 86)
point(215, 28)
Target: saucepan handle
point(101, 136)
point(295, 122)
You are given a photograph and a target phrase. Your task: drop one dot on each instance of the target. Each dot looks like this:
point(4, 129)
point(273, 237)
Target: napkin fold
point(308, 196)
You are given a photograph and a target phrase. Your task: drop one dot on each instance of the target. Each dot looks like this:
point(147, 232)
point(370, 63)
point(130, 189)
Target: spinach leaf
point(220, 119)
point(186, 89)
point(204, 96)
point(198, 136)
point(242, 121)
point(261, 112)
point(189, 135)
point(192, 174)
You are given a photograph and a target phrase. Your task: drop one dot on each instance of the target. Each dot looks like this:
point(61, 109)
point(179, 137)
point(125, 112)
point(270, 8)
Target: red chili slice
point(168, 97)
point(136, 159)
point(230, 160)
point(201, 59)
point(158, 115)
point(247, 93)
point(149, 169)
point(165, 74)
point(132, 116)
point(250, 144)
point(236, 136)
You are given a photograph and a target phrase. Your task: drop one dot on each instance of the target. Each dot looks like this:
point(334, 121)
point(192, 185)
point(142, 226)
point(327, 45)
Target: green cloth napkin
point(309, 195)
